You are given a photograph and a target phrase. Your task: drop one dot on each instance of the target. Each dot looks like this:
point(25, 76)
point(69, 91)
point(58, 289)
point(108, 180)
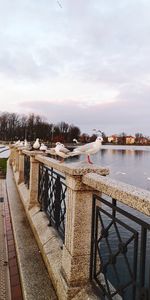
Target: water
point(4, 151)
point(126, 163)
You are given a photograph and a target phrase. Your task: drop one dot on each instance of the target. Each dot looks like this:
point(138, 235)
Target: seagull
point(62, 151)
point(90, 148)
point(97, 130)
point(43, 147)
point(26, 143)
point(36, 144)
point(75, 140)
point(17, 143)
point(59, 4)
point(21, 144)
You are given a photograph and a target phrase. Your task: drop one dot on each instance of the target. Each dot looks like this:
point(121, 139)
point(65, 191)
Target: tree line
point(15, 127)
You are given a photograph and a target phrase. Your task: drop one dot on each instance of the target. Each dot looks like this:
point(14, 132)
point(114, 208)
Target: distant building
point(130, 139)
point(143, 140)
point(113, 139)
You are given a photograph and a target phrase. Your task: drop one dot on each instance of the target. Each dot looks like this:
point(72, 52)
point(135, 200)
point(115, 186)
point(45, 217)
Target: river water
point(130, 164)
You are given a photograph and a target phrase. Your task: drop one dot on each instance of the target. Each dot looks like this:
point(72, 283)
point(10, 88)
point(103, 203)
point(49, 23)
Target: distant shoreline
point(126, 147)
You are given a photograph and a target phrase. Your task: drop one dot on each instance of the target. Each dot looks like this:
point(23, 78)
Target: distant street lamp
point(52, 131)
point(25, 134)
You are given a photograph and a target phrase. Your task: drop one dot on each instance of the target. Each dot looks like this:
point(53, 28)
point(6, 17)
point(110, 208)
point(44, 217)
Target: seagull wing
point(84, 148)
point(64, 150)
point(59, 4)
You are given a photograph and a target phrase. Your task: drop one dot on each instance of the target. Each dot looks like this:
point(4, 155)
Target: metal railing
point(27, 170)
point(51, 196)
point(120, 251)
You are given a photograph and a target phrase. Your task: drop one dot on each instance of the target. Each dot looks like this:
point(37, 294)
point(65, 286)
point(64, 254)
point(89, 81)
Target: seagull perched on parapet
point(43, 147)
point(75, 140)
point(21, 144)
point(36, 144)
point(27, 145)
point(17, 143)
point(62, 151)
point(90, 148)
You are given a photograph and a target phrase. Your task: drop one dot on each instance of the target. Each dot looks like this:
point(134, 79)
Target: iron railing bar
point(51, 170)
point(130, 283)
point(108, 288)
point(105, 228)
point(51, 197)
point(105, 293)
point(143, 256)
point(135, 264)
point(109, 248)
point(131, 239)
point(126, 259)
point(117, 220)
point(125, 213)
point(95, 244)
point(123, 288)
point(114, 203)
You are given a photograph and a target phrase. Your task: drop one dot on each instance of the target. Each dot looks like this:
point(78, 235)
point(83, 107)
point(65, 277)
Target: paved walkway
point(10, 287)
point(22, 271)
point(35, 281)
point(4, 279)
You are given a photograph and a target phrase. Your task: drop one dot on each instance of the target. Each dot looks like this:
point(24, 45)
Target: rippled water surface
point(126, 163)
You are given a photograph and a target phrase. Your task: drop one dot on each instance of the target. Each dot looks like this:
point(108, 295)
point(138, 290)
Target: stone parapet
point(130, 195)
point(32, 153)
point(73, 169)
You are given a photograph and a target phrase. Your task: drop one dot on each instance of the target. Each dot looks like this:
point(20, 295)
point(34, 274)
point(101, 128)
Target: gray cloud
point(129, 117)
point(93, 42)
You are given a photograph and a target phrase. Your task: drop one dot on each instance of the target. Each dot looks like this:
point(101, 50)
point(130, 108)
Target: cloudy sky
point(86, 62)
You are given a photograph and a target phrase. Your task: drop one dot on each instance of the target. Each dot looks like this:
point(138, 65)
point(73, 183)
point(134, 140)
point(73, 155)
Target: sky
point(85, 62)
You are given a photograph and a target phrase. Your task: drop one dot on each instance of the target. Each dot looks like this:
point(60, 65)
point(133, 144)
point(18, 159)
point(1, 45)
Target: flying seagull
point(59, 4)
point(97, 130)
point(76, 141)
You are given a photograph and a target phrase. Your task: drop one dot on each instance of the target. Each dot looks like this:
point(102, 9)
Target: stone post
point(12, 155)
point(77, 247)
point(76, 250)
point(34, 180)
point(75, 263)
point(16, 160)
point(21, 167)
